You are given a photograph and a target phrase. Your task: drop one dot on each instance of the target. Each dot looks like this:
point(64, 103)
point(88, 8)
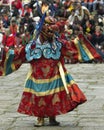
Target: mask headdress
point(45, 31)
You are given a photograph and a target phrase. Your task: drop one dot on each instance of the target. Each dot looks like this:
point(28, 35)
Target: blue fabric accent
point(42, 87)
point(48, 50)
point(9, 62)
point(84, 55)
point(40, 25)
point(11, 52)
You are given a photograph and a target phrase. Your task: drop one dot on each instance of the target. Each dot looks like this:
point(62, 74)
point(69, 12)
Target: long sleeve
point(69, 51)
point(86, 51)
point(80, 50)
point(11, 61)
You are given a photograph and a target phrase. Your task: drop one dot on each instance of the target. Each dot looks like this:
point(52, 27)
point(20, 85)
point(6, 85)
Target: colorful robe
point(44, 94)
point(86, 51)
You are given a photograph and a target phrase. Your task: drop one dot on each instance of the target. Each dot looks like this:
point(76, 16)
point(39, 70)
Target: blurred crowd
point(19, 18)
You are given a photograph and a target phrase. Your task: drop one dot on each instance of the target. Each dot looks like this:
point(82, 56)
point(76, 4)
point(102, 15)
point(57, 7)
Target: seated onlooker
point(68, 5)
point(97, 37)
point(2, 29)
point(81, 11)
point(26, 9)
point(100, 10)
point(17, 4)
point(96, 4)
point(26, 19)
point(18, 40)
point(26, 37)
point(71, 17)
point(14, 11)
point(6, 20)
point(88, 4)
point(13, 27)
point(21, 29)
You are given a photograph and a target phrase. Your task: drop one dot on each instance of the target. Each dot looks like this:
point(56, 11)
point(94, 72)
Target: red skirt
point(53, 104)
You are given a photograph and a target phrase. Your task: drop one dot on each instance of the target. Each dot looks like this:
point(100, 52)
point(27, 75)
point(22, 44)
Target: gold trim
point(87, 51)
point(13, 66)
point(38, 81)
point(79, 53)
point(62, 74)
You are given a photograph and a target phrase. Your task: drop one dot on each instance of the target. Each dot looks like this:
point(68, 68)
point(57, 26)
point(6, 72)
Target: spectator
point(71, 17)
point(26, 19)
point(6, 20)
point(88, 4)
point(14, 12)
point(96, 4)
point(13, 27)
point(2, 29)
point(68, 5)
point(97, 40)
point(78, 16)
point(58, 6)
point(88, 25)
point(17, 4)
point(81, 11)
point(18, 40)
point(26, 9)
point(97, 37)
point(37, 9)
point(21, 29)
point(100, 10)
point(28, 23)
point(26, 37)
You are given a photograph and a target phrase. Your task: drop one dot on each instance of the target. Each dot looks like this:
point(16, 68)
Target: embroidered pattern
point(47, 50)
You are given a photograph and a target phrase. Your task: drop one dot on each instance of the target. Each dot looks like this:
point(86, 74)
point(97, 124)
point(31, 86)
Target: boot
point(53, 122)
point(40, 122)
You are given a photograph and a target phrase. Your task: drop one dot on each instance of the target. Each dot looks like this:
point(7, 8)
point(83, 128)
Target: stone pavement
point(88, 116)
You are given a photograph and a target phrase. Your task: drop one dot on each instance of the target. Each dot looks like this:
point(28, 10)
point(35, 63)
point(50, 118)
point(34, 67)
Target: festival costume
point(86, 51)
point(49, 90)
point(44, 94)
